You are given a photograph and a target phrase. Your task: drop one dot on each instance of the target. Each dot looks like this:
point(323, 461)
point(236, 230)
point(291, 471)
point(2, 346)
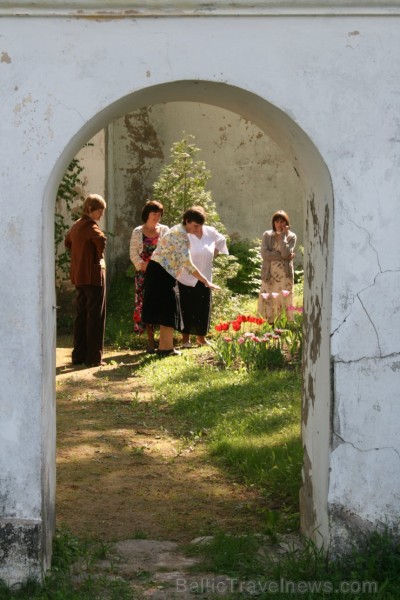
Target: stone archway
point(304, 73)
point(315, 179)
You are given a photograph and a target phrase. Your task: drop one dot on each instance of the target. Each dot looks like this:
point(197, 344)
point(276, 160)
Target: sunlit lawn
point(249, 421)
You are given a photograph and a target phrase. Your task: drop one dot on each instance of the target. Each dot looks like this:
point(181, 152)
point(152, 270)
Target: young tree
point(182, 184)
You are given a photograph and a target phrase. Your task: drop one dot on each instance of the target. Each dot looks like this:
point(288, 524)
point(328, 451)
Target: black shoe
point(99, 364)
point(165, 353)
point(78, 363)
point(150, 350)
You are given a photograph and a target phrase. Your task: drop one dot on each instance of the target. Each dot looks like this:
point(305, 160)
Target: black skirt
point(161, 304)
point(196, 308)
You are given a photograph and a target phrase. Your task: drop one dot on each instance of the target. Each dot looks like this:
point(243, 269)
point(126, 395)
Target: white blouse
point(202, 253)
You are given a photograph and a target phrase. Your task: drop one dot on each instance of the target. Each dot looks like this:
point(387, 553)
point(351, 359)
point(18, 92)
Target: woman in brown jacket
point(86, 243)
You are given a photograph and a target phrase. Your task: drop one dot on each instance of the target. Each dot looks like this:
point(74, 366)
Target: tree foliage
point(68, 193)
point(248, 278)
point(182, 184)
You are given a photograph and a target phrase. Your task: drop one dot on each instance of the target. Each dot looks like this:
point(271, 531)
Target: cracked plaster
point(367, 413)
point(369, 329)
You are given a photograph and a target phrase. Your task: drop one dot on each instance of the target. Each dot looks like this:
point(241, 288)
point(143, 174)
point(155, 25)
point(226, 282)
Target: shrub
point(68, 193)
point(182, 184)
point(247, 252)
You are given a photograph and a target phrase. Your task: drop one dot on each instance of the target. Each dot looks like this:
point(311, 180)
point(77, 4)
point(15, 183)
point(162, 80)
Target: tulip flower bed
point(255, 344)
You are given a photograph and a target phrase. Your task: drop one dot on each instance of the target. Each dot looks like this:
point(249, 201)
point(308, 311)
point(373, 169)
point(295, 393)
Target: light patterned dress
point(149, 245)
point(276, 293)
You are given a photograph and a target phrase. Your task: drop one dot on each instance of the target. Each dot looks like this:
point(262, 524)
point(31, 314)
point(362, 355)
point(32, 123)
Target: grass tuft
point(74, 574)
point(258, 568)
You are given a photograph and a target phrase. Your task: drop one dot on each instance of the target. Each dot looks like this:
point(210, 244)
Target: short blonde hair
point(93, 202)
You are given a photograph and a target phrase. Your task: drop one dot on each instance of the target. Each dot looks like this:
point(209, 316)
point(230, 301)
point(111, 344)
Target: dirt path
point(125, 476)
point(122, 471)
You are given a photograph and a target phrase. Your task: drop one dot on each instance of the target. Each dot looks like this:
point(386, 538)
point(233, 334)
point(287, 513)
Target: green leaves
point(67, 194)
point(182, 184)
point(251, 342)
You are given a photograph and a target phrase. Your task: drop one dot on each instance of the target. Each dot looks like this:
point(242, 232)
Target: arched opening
point(315, 179)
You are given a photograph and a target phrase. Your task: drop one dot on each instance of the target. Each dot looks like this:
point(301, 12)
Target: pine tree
point(182, 184)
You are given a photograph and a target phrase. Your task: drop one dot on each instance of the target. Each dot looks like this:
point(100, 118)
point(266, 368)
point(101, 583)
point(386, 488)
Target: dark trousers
point(89, 324)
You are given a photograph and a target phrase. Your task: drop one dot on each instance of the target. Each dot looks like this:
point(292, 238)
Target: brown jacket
point(87, 243)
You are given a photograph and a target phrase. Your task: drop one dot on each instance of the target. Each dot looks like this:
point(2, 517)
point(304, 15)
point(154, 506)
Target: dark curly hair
point(194, 213)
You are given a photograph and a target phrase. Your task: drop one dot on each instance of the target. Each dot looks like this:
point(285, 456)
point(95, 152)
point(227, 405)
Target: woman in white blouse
point(195, 297)
point(161, 295)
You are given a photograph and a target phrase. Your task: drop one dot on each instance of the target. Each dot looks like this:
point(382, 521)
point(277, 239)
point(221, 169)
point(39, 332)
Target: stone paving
point(159, 570)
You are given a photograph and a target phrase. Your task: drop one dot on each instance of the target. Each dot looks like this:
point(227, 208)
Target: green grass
point(235, 556)
point(74, 575)
point(372, 571)
point(250, 424)
point(249, 421)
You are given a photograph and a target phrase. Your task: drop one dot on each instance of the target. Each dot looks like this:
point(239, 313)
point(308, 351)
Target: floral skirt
point(139, 326)
point(276, 294)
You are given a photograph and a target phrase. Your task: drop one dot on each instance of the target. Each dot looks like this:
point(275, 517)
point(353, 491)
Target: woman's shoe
point(187, 345)
point(165, 353)
point(98, 364)
point(150, 350)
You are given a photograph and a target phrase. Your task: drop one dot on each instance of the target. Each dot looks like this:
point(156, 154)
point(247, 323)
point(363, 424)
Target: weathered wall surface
point(324, 90)
point(250, 175)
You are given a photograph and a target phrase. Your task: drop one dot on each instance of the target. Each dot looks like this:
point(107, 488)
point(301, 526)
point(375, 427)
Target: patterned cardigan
point(269, 254)
point(136, 243)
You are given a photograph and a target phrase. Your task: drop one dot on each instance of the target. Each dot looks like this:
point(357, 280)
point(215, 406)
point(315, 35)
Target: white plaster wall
point(365, 462)
point(332, 77)
point(92, 159)
point(251, 177)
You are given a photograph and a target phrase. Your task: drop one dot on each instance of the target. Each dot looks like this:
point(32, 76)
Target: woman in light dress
point(277, 272)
